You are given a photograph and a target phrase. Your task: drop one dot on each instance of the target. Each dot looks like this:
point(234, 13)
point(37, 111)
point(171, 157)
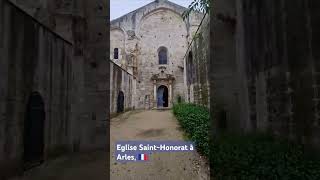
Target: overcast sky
point(122, 7)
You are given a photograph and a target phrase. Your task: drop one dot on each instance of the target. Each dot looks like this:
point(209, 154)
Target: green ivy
point(246, 157)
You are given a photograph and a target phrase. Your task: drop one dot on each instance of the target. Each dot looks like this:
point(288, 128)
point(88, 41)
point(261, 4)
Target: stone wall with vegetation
point(196, 66)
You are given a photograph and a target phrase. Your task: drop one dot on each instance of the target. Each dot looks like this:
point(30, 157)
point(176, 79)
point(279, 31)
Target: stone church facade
point(150, 43)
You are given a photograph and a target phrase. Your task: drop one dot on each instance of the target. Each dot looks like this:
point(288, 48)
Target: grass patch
point(246, 157)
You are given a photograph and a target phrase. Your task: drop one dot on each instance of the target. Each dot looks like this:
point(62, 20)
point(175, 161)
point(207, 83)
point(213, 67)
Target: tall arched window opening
point(116, 53)
point(163, 55)
point(190, 69)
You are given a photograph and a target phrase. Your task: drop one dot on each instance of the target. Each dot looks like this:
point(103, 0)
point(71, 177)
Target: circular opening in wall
point(100, 34)
point(139, 81)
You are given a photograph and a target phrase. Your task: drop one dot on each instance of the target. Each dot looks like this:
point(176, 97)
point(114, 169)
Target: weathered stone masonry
point(141, 37)
point(32, 59)
point(71, 77)
point(120, 82)
point(196, 58)
point(276, 61)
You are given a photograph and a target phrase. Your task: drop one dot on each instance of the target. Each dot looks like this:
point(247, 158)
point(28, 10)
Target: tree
point(198, 5)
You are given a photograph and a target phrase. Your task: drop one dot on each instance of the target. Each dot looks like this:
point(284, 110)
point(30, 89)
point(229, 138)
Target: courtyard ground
point(133, 125)
point(154, 125)
point(84, 166)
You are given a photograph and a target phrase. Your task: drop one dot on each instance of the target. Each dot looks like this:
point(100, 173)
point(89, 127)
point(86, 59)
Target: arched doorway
point(162, 96)
point(34, 130)
point(120, 102)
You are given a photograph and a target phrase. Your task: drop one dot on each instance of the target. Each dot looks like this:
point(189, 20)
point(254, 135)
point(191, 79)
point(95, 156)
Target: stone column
point(154, 93)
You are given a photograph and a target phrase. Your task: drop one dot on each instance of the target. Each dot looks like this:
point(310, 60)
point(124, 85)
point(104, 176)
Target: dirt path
point(154, 125)
point(89, 166)
point(134, 125)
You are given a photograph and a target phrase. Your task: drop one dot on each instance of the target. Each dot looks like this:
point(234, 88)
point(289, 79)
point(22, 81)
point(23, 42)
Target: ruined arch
point(159, 10)
point(162, 27)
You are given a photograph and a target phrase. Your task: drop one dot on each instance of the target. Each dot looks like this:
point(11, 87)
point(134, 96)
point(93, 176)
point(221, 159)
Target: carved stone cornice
point(162, 76)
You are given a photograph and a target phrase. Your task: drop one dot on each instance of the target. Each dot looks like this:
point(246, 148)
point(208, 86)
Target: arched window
point(190, 69)
point(162, 53)
point(116, 53)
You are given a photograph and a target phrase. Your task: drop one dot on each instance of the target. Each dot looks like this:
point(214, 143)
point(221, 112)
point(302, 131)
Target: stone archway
point(162, 85)
point(34, 131)
point(162, 96)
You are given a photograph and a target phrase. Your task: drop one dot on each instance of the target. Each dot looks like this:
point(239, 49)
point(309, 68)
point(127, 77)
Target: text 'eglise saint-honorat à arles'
point(148, 147)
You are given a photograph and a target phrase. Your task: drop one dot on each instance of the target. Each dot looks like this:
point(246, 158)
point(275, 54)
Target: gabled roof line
point(155, 1)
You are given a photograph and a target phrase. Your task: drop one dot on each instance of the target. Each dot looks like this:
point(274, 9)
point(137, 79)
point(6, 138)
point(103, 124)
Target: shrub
point(195, 121)
point(246, 157)
point(258, 156)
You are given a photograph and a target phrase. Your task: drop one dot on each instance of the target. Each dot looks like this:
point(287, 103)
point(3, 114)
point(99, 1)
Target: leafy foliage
point(246, 157)
point(195, 121)
point(261, 157)
point(198, 5)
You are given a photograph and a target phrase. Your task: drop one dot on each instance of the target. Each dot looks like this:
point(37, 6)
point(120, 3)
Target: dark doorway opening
point(120, 102)
point(34, 131)
point(222, 120)
point(162, 96)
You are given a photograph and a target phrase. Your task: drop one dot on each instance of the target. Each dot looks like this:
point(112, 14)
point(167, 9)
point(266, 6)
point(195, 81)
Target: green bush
point(255, 156)
point(195, 121)
point(246, 157)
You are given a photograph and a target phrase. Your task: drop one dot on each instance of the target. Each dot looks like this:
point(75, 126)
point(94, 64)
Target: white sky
point(122, 7)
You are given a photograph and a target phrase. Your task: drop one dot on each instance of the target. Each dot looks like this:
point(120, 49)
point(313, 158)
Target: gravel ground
point(154, 125)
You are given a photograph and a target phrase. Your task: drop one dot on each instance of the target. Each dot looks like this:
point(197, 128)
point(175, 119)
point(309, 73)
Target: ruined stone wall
point(57, 15)
point(33, 59)
point(84, 23)
point(228, 93)
point(120, 80)
point(197, 60)
point(72, 78)
point(117, 40)
point(282, 67)
point(96, 74)
point(276, 66)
